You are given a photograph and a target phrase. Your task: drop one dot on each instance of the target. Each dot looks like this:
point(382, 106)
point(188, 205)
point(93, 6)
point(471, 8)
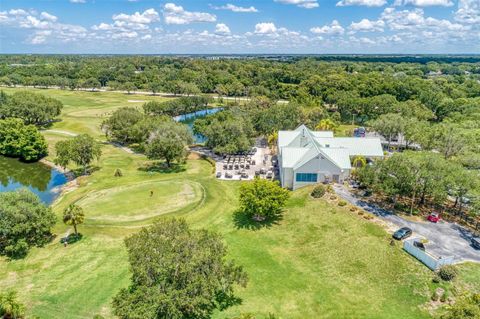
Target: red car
point(433, 217)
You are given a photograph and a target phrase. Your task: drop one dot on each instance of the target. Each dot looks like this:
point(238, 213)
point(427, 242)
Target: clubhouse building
point(306, 157)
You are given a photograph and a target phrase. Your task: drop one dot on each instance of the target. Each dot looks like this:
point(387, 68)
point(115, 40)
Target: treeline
point(154, 131)
point(306, 80)
point(174, 107)
point(423, 178)
point(32, 108)
point(20, 115)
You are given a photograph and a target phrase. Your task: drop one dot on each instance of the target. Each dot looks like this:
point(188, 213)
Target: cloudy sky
point(240, 26)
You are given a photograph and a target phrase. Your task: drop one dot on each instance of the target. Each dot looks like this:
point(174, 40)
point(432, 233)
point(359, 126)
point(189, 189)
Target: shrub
point(118, 173)
point(333, 197)
point(444, 297)
point(447, 272)
point(360, 213)
point(434, 296)
point(353, 209)
point(342, 203)
point(329, 189)
point(318, 191)
point(436, 278)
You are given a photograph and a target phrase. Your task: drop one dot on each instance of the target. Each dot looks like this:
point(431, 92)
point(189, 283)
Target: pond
point(37, 177)
point(189, 118)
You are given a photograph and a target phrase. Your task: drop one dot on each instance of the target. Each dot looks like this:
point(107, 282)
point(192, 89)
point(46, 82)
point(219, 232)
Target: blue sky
point(240, 26)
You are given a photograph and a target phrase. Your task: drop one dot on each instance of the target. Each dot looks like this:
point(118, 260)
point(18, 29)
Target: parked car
point(219, 174)
point(263, 171)
point(228, 175)
point(475, 242)
point(433, 217)
point(402, 233)
point(257, 173)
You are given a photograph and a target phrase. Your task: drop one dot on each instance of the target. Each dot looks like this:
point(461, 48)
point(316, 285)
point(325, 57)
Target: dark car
point(476, 242)
point(402, 233)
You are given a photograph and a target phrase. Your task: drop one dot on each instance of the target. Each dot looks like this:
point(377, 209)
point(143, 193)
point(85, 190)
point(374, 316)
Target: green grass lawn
point(320, 261)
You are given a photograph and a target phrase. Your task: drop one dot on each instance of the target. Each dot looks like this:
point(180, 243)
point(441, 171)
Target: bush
point(353, 209)
point(318, 191)
point(329, 189)
point(448, 272)
point(444, 297)
point(25, 222)
point(342, 203)
point(436, 278)
point(118, 173)
point(333, 197)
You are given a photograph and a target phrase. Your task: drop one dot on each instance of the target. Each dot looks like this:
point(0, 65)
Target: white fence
point(431, 261)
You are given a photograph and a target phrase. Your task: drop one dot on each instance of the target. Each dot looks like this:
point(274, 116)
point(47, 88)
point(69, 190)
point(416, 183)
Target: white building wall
point(323, 167)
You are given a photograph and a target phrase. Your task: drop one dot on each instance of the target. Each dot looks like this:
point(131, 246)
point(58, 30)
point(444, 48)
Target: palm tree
point(327, 125)
point(73, 215)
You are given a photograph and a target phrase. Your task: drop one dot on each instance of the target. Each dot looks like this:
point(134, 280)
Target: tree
point(326, 125)
point(389, 126)
point(169, 142)
point(22, 141)
point(25, 222)
point(10, 307)
point(82, 150)
point(262, 199)
point(73, 215)
point(32, 108)
point(177, 273)
point(226, 132)
point(129, 87)
point(119, 125)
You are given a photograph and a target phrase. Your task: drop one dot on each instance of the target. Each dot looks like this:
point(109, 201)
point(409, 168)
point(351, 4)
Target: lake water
point(189, 118)
point(37, 177)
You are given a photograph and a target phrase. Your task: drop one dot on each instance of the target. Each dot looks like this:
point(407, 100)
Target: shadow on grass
point(163, 168)
point(80, 172)
point(71, 239)
point(243, 221)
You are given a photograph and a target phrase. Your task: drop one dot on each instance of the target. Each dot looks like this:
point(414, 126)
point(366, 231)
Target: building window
point(306, 177)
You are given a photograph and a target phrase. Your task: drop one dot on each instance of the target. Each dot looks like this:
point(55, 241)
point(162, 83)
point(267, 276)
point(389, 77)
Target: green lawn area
point(320, 261)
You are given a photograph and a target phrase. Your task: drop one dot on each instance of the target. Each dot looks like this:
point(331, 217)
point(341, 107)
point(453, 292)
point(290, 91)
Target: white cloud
point(367, 3)
point(424, 3)
point(125, 35)
point(148, 16)
point(333, 28)
point(146, 36)
point(415, 20)
point(235, 8)
point(48, 16)
point(42, 27)
point(222, 28)
point(265, 28)
point(468, 11)
point(174, 14)
point(78, 1)
point(366, 25)
point(18, 12)
point(307, 4)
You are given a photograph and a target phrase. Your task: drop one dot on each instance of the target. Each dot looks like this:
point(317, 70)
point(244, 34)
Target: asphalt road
point(445, 239)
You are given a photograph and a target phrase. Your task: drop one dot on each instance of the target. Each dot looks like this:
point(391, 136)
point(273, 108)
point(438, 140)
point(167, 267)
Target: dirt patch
point(136, 101)
point(194, 156)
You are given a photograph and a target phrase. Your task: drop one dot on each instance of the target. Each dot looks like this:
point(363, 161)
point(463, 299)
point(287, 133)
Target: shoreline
point(69, 186)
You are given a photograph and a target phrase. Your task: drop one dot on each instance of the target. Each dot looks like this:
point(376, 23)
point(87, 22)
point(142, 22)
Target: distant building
point(307, 157)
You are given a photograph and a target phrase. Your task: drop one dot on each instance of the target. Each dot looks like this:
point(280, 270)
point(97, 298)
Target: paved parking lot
point(445, 239)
